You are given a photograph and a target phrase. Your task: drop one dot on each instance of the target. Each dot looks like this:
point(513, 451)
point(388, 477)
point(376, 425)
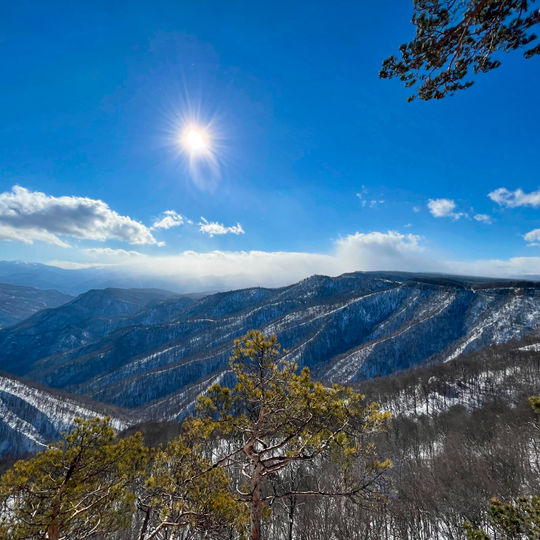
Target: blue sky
point(317, 165)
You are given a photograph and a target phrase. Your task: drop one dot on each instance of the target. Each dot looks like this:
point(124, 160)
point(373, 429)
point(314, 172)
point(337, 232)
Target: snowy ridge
point(469, 394)
point(112, 347)
point(31, 417)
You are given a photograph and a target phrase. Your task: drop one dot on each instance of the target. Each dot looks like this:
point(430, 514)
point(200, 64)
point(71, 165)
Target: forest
point(445, 451)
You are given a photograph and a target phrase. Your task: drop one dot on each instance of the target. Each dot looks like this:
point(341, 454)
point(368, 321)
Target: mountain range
point(149, 353)
point(77, 280)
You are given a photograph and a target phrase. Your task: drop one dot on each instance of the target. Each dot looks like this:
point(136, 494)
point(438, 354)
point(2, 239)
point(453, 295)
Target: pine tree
point(453, 36)
point(78, 487)
point(275, 417)
point(183, 491)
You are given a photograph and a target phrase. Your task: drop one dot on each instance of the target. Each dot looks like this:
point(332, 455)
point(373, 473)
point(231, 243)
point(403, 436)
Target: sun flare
point(197, 144)
point(195, 141)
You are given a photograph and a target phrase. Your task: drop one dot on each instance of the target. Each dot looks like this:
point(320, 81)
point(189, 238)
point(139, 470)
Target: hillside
point(32, 416)
point(18, 303)
point(131, 352)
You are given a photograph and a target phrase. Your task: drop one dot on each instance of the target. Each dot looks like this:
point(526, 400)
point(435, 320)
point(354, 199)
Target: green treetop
point(183, 491)
point(275, 417)
point(78, 487)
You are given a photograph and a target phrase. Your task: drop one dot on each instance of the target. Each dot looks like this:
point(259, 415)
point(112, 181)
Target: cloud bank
point(190, 271)
point(220, 270)
point(29, 216)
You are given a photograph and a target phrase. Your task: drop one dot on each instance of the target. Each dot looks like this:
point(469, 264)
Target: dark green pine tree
point(454, 37)
point(77, 488)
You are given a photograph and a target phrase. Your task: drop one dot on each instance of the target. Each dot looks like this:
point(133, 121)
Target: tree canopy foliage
point(183, 490)
point(78, 487)
point(455, 36)
point(278, 417)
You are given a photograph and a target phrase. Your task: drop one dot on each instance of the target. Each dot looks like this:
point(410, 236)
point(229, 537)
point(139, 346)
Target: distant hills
point(142, 355)
point(17, 302)
point(79, 280)
point(75, 281)
point(44, 276)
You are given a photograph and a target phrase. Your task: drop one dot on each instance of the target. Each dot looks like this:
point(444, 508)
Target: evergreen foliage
point(278, 417)
point(79, 486)
point(184, 491)
point(454, 36)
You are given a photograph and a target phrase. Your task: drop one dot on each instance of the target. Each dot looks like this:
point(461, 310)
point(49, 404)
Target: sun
point(195, 141)
point(198, 143)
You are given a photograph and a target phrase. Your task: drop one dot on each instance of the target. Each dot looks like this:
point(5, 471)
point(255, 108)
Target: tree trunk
point(292, 507)
point(53, 531)
point(256, 503)
point(145, 523)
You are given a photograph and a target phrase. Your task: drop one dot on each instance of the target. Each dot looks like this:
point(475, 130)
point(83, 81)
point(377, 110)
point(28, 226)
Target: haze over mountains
point(17, 303)
point(79, 280)
point(153, 351)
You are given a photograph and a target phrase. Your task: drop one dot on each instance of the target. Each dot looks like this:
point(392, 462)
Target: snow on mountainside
point(90, 316)
point(18, 303)
point(31, 417)
point(157, 355)
point(346, 329)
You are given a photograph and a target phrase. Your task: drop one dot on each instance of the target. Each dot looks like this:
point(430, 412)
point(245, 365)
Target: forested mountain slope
point(357, 326)
point(18, 303)
point(32, 416)
point(462, 433)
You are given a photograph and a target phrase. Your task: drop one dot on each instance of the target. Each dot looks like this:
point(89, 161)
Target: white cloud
point(14, 234)
point(362, 193)
point(219, 270)
point(72, 265)
point(213, 228)
point(168, 219)
point(372, 203)
point(533, 237)
point(29, 216)
point(379, 251)
point(483, 218)
point(109, 252)
point(222, 270)
point(444, 208)
point(512, 199)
